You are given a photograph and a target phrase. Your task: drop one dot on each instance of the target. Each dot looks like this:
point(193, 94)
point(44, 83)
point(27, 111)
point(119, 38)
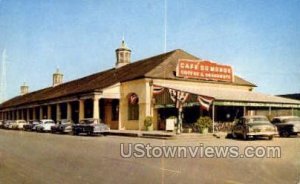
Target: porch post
point(28, 114)
point(33, 114)
point(58, 112)
point(96, 107)
point(270, 111)
point(292, 111)
point(69, 111)
point(49, 112)
point(81, 109)
point(245, 111)
point(41, 113)
point(18, 115)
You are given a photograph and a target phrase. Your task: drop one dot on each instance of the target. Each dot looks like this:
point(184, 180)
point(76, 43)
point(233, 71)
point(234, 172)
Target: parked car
point(89, 126)
point(18, 124)
point(1, 123)
point(7, 124)
point(62, 126)
point(253, 126)
point(287, 125)
point(10, 124)
point(30, 126)
point(45, 125)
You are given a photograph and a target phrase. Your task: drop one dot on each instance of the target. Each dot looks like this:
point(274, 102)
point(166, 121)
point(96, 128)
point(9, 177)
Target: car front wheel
point(245, 136)
point(284, 133)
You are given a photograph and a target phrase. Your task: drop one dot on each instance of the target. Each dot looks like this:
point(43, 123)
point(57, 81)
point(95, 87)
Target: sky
point(259, 39)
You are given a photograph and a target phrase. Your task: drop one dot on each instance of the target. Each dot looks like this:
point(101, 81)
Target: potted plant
point(203, 124)
point(148, 123)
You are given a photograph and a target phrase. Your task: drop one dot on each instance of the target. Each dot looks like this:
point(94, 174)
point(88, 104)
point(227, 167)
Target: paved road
point(28, 157)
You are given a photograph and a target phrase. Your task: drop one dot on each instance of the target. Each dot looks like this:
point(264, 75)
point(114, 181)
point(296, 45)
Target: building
point(175, 83)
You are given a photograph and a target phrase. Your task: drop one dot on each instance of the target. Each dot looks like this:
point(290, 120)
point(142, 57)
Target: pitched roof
point(162, 66)
point(295, 96)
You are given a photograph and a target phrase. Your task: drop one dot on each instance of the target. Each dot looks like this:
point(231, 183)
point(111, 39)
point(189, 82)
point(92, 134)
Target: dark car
point(287, 125)
point(253, 126)
point(62, 126)
point(30, 126)
point(89, 126)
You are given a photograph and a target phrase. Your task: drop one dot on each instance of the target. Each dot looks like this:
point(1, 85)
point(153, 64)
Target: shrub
point(148, 122)
point(202, 123)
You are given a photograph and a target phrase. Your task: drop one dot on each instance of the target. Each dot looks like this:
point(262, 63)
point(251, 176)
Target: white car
point(45, 125)
point(18, 124)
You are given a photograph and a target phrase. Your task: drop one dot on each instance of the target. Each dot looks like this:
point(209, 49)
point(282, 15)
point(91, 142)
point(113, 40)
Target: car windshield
point(258, 120)
point(88, 121)
point(291, 120)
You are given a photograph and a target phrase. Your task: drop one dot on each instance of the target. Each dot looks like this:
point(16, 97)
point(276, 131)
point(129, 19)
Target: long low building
point(161, 86)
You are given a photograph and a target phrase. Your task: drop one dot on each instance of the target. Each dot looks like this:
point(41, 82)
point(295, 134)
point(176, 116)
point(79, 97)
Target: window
point(133, 107)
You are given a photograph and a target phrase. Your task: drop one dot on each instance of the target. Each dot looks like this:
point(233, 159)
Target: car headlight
point(295, 129)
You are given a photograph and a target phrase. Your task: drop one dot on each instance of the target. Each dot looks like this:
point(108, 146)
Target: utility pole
point(3, 77)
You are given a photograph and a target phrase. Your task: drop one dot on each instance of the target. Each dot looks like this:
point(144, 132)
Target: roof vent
point(24, 89)
point(123, 55)
point(57, 78)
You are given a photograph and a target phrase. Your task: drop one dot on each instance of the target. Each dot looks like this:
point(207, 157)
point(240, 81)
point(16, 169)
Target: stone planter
point(204, 131)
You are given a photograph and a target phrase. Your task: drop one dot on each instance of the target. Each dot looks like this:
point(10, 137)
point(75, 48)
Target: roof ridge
point(172, 53)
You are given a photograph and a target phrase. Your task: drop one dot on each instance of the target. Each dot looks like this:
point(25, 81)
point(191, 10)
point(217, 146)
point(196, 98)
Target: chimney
point(57, 78)
point(123, 55)
point(24, 89)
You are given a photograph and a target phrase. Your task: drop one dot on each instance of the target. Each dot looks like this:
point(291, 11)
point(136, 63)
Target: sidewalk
point(164, 135)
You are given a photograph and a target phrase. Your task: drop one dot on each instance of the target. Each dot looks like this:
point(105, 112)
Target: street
point(29, 157)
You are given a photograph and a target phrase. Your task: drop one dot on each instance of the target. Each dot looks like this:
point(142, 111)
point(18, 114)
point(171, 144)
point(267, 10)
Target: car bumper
point(262, 133)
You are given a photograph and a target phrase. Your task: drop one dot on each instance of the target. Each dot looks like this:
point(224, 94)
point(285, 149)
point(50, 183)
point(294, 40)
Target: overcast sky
point(259, 39)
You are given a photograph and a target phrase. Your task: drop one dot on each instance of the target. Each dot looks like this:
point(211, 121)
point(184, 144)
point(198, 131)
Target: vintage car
point(253, 126)
point(30, 125)
point(62, 126)
point(1, 123)
point(287, 125)
point(18, 124)
point(89, 126)
point(7, 124)
point(45, 125)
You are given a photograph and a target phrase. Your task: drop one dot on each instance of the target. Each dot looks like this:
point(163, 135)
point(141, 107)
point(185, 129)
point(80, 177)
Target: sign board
point(170, 124)
point(204, 70)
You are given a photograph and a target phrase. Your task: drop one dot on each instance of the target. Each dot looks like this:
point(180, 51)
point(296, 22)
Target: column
point(81, 109)
point(270, 111)
point(58, 112)
point(28, 115)
point(33, 114)
point(49, 112)
point(41, 112)
point(245, 111)
point(13, 115)
point(69, 111)
point(18, 115)
point(96, 107)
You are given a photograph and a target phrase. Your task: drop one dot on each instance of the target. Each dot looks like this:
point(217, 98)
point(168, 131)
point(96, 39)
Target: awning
point(235, 97)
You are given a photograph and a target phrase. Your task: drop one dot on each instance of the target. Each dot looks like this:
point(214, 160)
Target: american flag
point(179, 97)
point(205, 102)
point(158, 90)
